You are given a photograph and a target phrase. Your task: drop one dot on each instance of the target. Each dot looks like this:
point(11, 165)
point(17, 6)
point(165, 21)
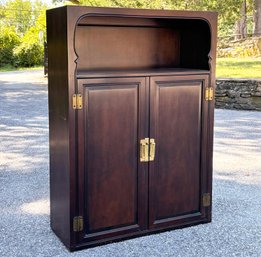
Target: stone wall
point(242, 94)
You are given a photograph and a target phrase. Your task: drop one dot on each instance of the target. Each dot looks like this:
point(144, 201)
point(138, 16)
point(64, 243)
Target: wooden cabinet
point(131, 121)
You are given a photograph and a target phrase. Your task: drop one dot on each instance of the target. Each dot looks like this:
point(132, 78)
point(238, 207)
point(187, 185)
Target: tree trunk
point(241, 25)
point(257, 17)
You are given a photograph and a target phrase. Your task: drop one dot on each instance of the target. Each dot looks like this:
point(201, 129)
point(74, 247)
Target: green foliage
point(30, 52)
point(229, 13)
point(156, 4)
point(22, 14)
point(9, 67)
point(229, 10)
point(250, 47)
point(8, 41)
point(18, 13)
point(21, 23)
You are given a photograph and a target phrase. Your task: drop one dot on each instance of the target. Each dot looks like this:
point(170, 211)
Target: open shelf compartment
point(111, 43)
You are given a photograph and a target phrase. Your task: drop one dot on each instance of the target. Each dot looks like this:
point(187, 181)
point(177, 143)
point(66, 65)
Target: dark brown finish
point(174, 186)
point(111, 156)
point(111, 178)
point(141, 74)
point(104, 47)
point(45, 59)
point(58, 126)
point(138, 73)
point(104, 42)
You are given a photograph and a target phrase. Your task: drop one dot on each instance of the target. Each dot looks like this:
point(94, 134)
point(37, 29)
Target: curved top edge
point(140, 9)
point(136, 11)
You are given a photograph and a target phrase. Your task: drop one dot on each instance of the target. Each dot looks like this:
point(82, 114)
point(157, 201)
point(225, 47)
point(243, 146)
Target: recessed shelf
point(112, 43)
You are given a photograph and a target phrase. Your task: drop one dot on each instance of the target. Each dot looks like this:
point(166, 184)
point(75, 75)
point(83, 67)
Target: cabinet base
point(91, 244)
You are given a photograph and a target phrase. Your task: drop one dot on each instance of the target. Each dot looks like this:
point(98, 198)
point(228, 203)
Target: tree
point(20, 25)
point(22, 14)
point(241, 24)
point(30, 51)
point(18, 14)
point(8, 41)
point(229, 10)
point(257, 17)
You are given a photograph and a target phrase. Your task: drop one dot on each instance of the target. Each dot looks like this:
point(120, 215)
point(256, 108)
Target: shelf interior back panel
point(122, 47)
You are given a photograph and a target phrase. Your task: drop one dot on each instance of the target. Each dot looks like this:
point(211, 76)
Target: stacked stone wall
point(241, 94)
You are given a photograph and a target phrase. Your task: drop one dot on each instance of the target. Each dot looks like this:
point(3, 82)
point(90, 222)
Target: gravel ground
point(24, 182)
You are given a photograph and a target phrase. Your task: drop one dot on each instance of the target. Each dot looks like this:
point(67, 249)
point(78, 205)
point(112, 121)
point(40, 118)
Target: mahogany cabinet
point(131, 121)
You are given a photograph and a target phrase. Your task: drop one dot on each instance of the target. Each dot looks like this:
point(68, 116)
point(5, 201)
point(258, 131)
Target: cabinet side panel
point(58, 123)
point(195, 45)
point(212, 63)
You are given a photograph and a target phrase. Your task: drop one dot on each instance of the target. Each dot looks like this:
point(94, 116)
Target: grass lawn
point(239, 67)
point(11, 68)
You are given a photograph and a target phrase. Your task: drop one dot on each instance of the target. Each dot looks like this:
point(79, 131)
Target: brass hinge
point(209, 94)
point(206, 200)
point(77, 223)
point(77, 101)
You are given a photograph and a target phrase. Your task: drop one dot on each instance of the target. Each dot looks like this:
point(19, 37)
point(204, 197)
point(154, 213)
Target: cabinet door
point(112, 188)
point(177, 176)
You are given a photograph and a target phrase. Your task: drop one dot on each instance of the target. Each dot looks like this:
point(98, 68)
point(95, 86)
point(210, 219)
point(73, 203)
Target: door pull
point(152, 149)
point(144, 150)
point(147, 149)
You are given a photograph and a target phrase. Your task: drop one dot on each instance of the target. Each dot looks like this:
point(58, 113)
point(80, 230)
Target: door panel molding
point(170, 202)
point(111, 179)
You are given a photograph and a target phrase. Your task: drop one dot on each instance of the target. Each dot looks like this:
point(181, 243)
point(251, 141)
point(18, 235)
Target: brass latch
point(209, 94)
point(77, 223)
point(144, 150)
point(206, 200)
point(152, 149)
point(77, 101)
point(147, 149)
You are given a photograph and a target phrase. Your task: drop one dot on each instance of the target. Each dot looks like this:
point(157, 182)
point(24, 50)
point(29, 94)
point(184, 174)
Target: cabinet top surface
point(81, 10)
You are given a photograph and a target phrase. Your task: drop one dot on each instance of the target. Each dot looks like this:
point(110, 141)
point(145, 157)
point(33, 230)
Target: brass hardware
point(77, 223)
point(77, 101)
point(74, 101)
point(152, 149)
point(147, 149)
point(144, 150)
point(206, 200)
point(209, 94)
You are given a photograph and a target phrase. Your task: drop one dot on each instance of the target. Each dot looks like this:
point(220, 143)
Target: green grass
point(239, 67)
point(11, 68)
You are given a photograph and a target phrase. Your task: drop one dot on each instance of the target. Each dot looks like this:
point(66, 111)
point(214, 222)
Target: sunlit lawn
point(11, 68)
point(239, 67)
